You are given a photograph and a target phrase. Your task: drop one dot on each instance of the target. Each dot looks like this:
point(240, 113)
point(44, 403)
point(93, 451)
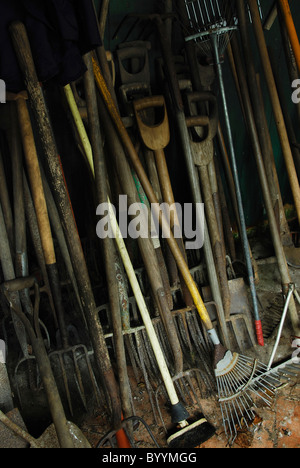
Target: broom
point(186, 434)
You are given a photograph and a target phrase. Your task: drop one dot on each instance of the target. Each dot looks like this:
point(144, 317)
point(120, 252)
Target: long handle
point(156, 138)
point(109, 250)
point(52, 161)
point(44, 365)
point(281, 259)
point(173, 90)
point(259, 332)
point(279, 118)
point(40, 205)
point(290, 25)
point(152, 198)
point(161, 362)
point(153, 269)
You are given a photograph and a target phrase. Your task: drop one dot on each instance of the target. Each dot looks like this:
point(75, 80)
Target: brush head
point(194, 434)
point(241, 380)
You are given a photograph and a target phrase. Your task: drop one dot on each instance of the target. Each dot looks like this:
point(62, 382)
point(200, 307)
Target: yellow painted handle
point(180, 260)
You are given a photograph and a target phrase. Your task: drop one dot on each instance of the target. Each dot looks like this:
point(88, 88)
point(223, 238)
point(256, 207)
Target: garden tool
point(265, 141)
point(212, 44)
point(238, 291)
point(235, 396)
point(138, 341)
point(109, 251)
point(153, 272)
point(235, 295)
point(202, 78)
point(109, 439)
point(291, 251)
point(60, 192)
point(290, 62)
point(279, 118)
point(6, 206)
point(141, 343)
point(185, 435)
point(291, 29)
point(124, 173)
point(37, 244)
point(278, 247)
point(8, 271)
point(156, 137)
point(133, 61)
point(60, 237)
point(171, 76)
point(203, 152)
point(32, 326)
point(79, 351)
point(20, 250)
point(137, 85)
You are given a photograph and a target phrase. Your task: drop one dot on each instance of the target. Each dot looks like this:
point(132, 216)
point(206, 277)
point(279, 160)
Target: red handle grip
point(259, 333)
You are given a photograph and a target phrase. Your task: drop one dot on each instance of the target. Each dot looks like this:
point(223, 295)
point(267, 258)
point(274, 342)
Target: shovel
point(79, 351)
point(49, 437)
point(34, 333)
point(156, 138)
point(235, 296)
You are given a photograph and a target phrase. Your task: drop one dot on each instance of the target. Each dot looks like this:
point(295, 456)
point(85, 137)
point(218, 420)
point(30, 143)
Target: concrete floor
point(277, 426)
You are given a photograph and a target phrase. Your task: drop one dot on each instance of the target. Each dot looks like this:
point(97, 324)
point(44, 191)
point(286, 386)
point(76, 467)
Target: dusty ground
point(277, 426)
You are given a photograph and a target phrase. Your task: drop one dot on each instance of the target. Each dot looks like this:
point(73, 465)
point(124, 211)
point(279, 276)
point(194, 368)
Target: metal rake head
point(242, 382)
point(210, 17)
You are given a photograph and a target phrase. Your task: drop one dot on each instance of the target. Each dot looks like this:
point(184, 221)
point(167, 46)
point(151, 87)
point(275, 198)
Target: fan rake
point(240, 380)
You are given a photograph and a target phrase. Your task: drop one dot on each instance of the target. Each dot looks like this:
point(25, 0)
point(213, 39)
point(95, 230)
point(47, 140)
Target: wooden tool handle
point(36, 182)
point(213, 118)
point(155, 137)
point(23, 51)
point(197, 121)
point(149, 102)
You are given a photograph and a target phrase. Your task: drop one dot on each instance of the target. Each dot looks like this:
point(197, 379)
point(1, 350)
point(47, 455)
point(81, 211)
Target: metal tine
point(84, 354)
point(142, 357)
point(133, 356)
point(148, 356)
point(37, 383)
point(60, 355)
point(162, 337)
point(184, 335)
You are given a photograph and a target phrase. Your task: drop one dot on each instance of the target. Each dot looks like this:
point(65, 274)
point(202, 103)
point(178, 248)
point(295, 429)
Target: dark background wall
point(252, 198)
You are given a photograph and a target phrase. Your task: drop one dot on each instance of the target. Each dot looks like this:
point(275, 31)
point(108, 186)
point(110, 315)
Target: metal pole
point(244, 237)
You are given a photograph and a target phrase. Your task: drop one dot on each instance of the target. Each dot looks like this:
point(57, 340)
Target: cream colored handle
point(143, 308)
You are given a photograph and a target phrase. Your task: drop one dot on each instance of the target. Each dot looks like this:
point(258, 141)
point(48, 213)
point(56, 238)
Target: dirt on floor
point(275, 426)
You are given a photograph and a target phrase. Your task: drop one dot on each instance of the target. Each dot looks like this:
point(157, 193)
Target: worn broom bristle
point(240, 381)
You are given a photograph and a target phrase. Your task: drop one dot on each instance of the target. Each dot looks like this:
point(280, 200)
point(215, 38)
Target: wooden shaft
point(36, 181)
point(290, 25)
point(151, 196)
point(279, 118)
